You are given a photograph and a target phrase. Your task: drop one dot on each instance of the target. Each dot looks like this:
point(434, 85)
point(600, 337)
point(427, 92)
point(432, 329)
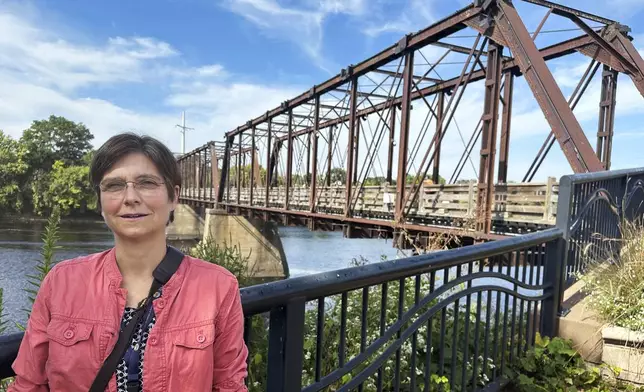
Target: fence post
point(471, 199)
point(564, 219)
point(553, 278)
point(547, 213)
point(286, 347)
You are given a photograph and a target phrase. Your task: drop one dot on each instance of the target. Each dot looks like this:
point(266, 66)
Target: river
point(20, 245)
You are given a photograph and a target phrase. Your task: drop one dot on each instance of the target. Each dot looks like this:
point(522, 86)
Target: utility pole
point(183, 131)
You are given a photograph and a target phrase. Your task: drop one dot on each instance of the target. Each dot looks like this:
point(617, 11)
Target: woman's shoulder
point(209, 272)
point(78, 266)
point(81, 261)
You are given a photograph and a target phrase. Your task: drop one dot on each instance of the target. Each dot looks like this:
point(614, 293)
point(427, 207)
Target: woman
point(189, 333)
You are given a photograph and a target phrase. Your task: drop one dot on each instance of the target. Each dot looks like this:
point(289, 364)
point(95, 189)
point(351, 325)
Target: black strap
point(162, 275)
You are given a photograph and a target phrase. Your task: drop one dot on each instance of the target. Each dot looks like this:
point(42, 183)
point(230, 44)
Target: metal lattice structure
point(314, 160)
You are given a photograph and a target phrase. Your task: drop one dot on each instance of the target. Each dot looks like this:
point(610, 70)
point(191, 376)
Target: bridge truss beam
point(331, 140)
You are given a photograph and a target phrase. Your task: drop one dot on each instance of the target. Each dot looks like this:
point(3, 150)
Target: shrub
point(554, 365)
point(228, 256)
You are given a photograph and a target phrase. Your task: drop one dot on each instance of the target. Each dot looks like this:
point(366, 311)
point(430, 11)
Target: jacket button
point(161, 303)
point(201, 338)
point(69, 334)
point(153, 340)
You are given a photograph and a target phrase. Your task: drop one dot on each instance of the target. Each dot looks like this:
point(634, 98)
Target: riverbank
point(87, 217)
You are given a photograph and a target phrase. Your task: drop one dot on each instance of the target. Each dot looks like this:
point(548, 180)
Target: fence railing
point(457, 317)
point(592, 210)
point(404, 324)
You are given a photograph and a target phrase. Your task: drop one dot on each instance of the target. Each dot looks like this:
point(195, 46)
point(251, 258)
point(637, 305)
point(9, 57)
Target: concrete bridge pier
point(257, 239)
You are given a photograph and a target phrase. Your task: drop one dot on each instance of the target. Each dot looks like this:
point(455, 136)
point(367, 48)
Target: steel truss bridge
point(351, 154)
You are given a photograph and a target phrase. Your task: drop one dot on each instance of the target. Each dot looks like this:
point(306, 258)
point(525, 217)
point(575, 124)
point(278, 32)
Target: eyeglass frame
point(135, 185)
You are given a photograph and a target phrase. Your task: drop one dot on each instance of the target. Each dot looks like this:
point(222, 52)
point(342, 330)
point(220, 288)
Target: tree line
point(47, 167)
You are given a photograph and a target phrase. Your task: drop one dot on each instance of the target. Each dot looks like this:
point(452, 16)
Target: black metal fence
point(592, 211)
point(457, 317)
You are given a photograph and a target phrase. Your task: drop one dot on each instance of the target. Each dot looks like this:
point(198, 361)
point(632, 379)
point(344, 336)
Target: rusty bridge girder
point(332, 140)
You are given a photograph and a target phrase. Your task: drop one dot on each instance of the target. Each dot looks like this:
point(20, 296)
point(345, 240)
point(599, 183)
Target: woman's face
point(134, 198)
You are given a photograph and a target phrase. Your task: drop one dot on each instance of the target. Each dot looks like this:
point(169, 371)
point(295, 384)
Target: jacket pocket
point(71, 340)
point(197, 338)
point(191, 358)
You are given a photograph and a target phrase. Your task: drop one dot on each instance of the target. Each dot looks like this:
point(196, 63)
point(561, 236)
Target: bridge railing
point(456, 317)
point(516, 202)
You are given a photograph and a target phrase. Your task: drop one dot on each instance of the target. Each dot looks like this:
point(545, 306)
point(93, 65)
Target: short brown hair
point(118, 146)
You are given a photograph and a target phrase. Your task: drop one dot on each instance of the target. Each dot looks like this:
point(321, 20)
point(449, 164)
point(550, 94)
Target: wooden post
point(547, 213)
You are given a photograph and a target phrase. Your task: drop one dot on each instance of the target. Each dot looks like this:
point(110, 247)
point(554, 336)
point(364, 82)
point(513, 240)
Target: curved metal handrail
point(580, 178)
point(377, 363)
point(599, 195)
point(263, 297)
point(395, 327)
point(639, 185)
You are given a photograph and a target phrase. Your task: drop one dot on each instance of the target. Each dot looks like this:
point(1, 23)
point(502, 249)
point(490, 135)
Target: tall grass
point(615, 283)
point(3, 318)
point(49, 238)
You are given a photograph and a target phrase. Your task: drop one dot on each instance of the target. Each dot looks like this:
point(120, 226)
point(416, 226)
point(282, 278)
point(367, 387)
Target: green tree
point(65, 187)
point(13, 169)
point(245, 176)
point(56, 139)
point(338, 174)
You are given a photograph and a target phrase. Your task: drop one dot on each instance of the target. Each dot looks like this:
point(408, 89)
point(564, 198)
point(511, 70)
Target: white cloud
point(415, 14)
point(29, 51)
point(303, 25)
point(354, 7)
point(44, 72)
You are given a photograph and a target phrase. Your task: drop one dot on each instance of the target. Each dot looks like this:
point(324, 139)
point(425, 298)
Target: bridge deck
point(440, 208)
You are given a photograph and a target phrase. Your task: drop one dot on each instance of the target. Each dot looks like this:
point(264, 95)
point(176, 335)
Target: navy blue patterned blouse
point(139, 341)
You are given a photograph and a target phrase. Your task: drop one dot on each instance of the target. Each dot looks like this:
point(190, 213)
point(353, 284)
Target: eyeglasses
point(146, 186)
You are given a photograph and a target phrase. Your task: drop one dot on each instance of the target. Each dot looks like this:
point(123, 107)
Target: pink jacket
point(196, 344)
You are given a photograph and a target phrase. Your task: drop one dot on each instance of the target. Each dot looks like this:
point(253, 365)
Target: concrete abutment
point(256, 239)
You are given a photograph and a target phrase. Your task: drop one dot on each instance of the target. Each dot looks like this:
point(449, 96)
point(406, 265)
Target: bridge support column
point(488, 138)
point(606, 116)
point(256, 239)
point(504, 148)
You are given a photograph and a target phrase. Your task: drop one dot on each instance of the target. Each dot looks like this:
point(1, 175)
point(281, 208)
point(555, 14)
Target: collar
point(115, 277)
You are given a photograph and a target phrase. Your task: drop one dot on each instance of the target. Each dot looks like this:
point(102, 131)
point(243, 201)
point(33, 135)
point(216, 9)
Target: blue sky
point(135, 65)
